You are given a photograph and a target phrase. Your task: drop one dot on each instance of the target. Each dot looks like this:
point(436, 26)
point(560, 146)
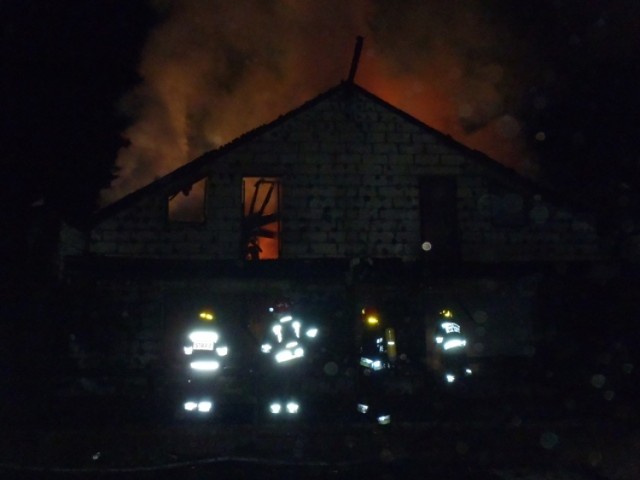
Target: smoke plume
point(213, 70)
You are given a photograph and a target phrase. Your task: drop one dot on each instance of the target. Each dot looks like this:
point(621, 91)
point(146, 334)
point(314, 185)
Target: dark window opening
point(188, 205)
point(438, 217)
point(261, 218)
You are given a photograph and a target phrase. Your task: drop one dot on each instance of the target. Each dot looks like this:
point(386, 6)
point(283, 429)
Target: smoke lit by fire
point(216, 69)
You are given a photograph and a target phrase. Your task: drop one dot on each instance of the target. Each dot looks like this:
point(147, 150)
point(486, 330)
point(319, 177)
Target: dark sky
point(548, 87)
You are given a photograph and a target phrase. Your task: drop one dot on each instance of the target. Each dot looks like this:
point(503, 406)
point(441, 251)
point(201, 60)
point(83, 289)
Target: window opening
point(438, 217)
point(187, 205)
point(261, 218)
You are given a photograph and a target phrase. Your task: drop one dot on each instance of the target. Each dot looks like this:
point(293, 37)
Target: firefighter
point(451, 347)
point(285, 345)
point(204, 353)
point(377, 354)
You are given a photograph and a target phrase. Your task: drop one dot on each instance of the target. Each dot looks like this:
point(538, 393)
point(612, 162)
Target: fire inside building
point(344, 203)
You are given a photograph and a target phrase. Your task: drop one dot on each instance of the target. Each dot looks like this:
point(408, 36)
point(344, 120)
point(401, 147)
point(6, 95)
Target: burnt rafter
point(255, 218)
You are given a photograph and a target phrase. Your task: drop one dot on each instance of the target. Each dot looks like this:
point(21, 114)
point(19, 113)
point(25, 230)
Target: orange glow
point(188, 207)
point(215, 70)
point(260, 198)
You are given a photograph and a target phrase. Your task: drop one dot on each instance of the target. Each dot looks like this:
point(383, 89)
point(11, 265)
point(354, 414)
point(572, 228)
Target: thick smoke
point(213, 70)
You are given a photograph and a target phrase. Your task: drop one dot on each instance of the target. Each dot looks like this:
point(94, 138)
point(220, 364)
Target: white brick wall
point(349, 171)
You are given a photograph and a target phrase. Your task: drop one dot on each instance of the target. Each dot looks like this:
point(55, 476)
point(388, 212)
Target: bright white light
point(266, 348)
point(205, 406)
point(222, 351)
point(450, 327)
point(362, 408)
point(451, 378)
point(439, 339)
point(275, 408)
point(287, 355)
point(291, 344)
point(277, 330)
point(286, 318)
point(190, 406)
point(365, 362)
point(293, 407)
point(468, 371)
point(205, 365)
point(426, 246)
point(203, 336)
point(312, 332)
point(296, 328)
point(188, 350)
point(384, 419)
point(455, 343)
point(372, 364)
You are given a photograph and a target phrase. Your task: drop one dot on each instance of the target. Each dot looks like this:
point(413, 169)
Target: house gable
point(351, 168)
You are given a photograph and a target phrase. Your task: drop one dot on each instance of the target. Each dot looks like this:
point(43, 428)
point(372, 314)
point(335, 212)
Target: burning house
point(343, 201)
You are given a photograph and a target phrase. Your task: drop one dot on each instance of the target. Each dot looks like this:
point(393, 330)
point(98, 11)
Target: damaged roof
point(196, 170)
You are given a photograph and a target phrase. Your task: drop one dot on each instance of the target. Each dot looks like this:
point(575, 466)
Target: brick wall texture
point(349, 168)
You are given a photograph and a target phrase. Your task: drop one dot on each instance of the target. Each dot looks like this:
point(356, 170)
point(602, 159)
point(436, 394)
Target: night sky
point(93, 88)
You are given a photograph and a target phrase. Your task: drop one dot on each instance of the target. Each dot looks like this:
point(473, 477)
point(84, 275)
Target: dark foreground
point(507, 423)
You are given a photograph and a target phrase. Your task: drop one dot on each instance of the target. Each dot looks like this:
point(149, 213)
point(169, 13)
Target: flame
point(215, 70)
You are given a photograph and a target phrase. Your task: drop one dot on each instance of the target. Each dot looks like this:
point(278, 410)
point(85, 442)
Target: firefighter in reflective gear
point(377, 354)
point(204, 354)
point(285, 346)
point(451, 347)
